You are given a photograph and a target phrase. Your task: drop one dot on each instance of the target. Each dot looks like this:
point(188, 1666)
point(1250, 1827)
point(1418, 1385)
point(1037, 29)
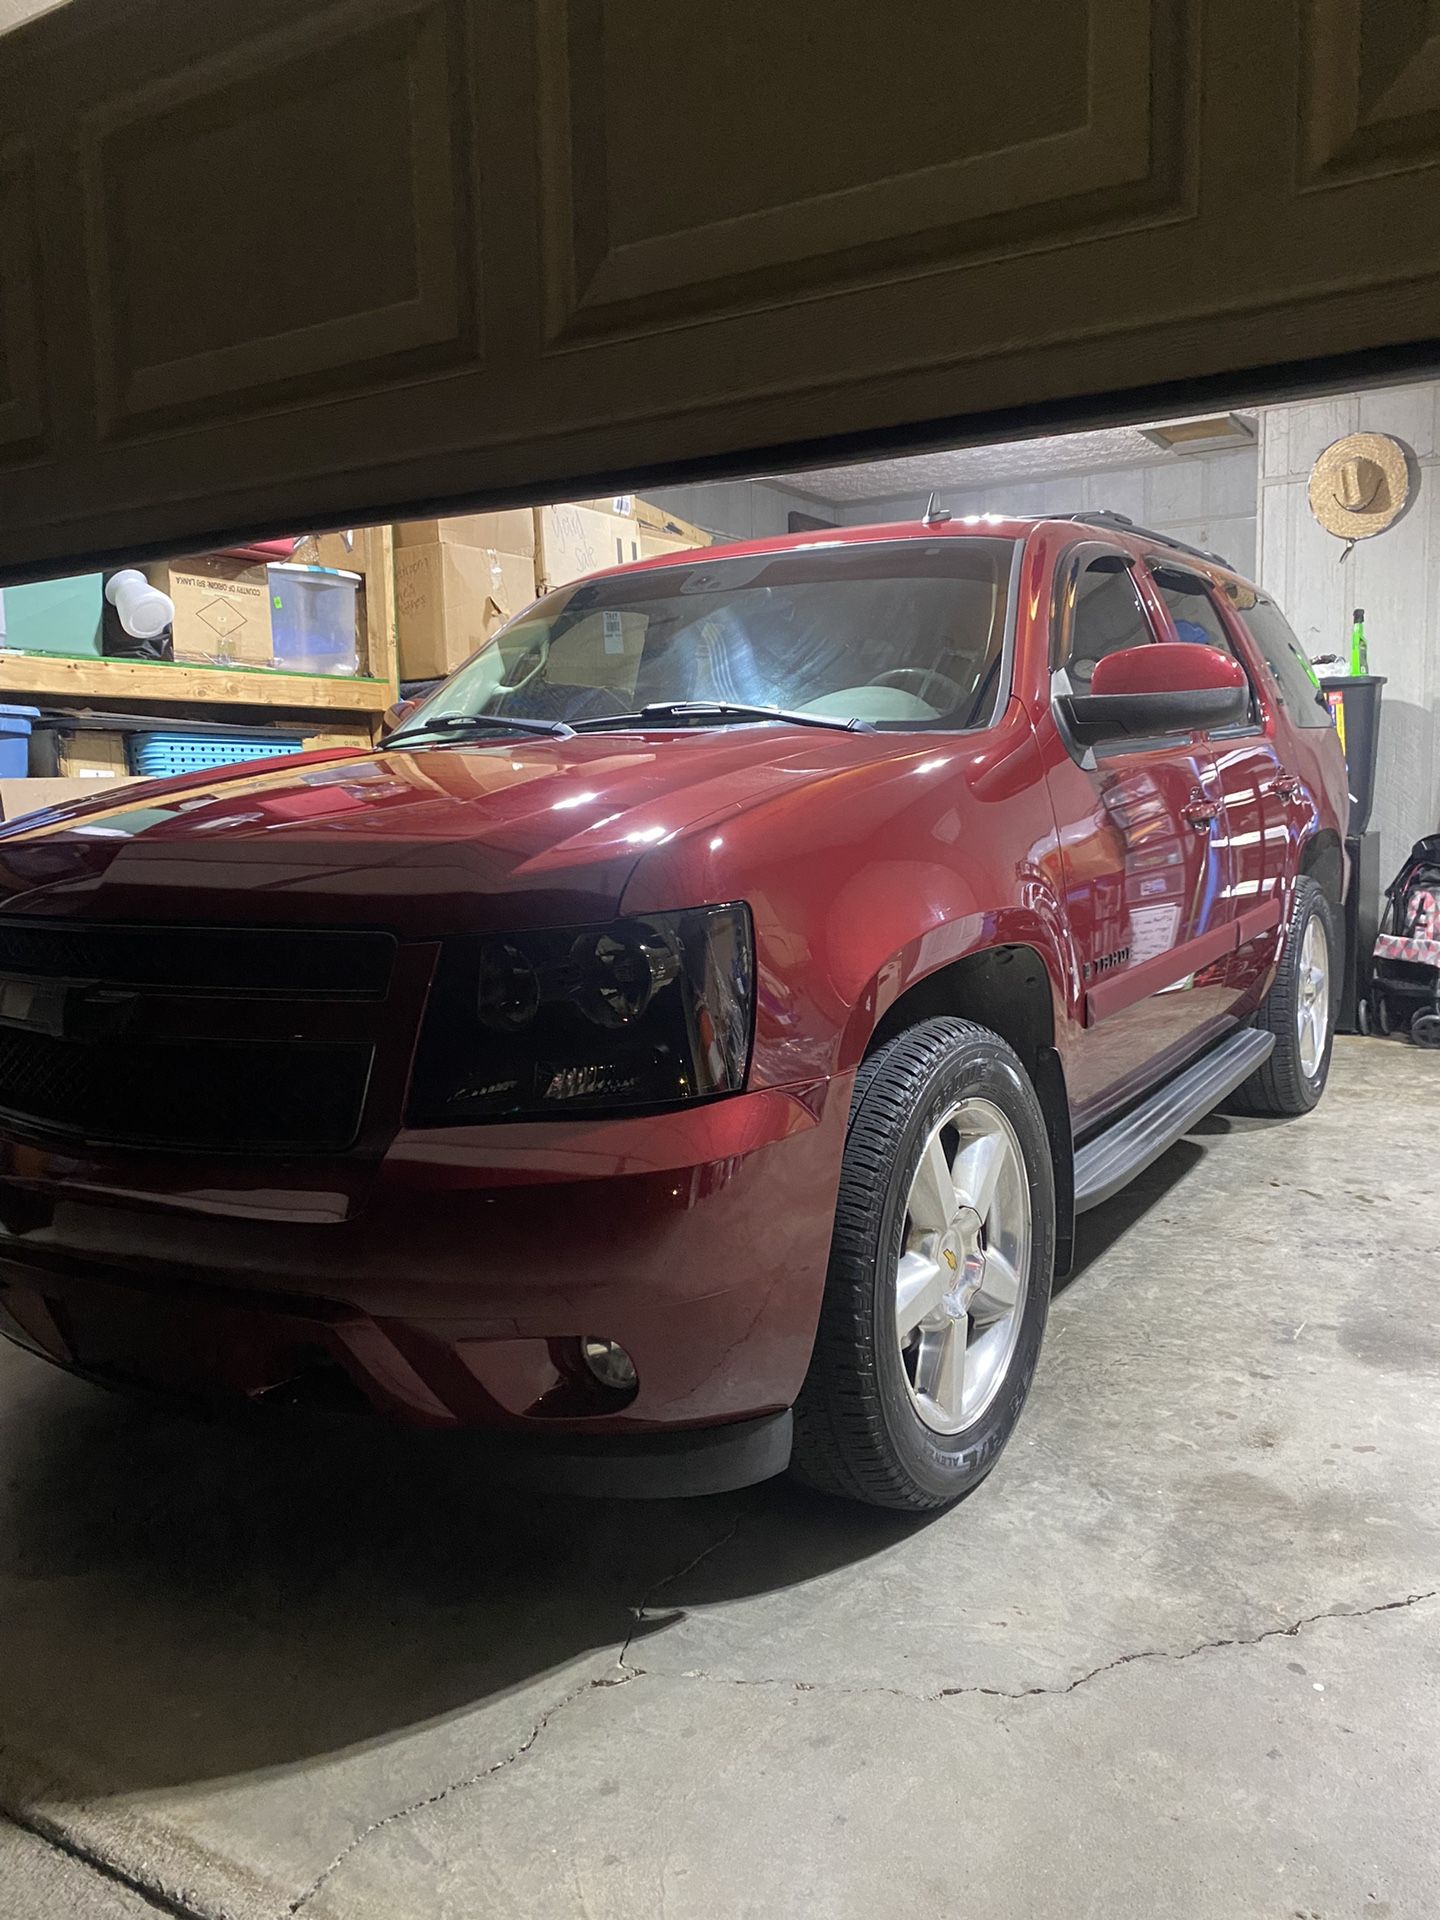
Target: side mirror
point(1173, 686)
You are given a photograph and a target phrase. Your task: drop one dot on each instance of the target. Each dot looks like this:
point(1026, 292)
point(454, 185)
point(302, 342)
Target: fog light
point(610, 1364)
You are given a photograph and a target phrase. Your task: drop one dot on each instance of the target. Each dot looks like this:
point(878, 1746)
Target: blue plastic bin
point(159, 755)
point(15, 724)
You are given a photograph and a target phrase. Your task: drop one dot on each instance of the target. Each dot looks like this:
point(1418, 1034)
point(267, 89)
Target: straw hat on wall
point(1360, 485)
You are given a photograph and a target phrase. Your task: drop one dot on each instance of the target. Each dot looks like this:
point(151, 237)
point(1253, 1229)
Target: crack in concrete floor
point(618, 1676)
point(641, 1612)
point(1290, 1630)
point(451, 1787)
point(625, 1670)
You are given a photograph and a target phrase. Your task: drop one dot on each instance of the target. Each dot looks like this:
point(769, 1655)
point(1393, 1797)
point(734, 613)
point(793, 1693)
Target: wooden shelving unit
point(352, 705)
point(97, 682)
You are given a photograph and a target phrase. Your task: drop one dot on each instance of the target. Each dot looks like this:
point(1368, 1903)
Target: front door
point(1143, 856)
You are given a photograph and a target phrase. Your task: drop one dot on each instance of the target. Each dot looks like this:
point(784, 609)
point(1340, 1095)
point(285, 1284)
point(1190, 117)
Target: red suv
point(684, 1047)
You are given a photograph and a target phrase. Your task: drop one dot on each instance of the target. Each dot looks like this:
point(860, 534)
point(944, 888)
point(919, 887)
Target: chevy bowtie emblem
point(951, 1261)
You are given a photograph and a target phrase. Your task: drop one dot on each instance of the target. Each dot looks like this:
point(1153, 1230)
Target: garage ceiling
point(963, 467)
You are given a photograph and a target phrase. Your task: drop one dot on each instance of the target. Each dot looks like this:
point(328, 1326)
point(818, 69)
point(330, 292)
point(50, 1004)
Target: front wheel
point(939, 1277)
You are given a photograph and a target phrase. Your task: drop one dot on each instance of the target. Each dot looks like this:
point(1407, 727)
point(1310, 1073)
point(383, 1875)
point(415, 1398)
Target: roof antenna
point(934, 515)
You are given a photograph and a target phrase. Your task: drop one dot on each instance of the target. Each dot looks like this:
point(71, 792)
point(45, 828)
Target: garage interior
point(1179, 1651)
point(258, 1674)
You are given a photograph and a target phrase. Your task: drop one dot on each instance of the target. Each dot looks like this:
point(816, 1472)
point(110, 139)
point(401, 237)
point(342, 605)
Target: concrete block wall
point(737, 509)
point(1395, 576)
point(1206, 499)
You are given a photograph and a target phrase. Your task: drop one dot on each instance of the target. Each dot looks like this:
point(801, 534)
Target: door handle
point(1287, 786)
point(1200, 812)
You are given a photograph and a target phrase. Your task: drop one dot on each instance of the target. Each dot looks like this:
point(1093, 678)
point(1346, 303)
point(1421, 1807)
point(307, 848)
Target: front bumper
point(451, 1284)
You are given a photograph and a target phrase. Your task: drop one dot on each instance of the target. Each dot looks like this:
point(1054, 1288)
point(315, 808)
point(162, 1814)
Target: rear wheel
point(1299, 1010)
point(939, 1275)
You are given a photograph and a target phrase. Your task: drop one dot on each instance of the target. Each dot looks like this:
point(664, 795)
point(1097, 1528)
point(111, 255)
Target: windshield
point(906, 633)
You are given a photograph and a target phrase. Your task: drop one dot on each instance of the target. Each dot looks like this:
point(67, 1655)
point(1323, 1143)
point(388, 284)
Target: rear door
point(1313, 781)
point(1144, 863)
point(1252, 829)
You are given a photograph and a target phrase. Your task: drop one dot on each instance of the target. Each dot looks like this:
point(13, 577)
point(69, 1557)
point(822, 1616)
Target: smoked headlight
point(645, 1012)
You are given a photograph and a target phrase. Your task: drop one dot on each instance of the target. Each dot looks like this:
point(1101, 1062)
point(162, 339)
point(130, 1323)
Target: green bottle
point(1359, 651)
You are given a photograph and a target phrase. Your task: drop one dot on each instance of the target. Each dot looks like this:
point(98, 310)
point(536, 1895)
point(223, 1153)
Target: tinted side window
point(1195, 615)
point(1191, 608)
point(1107, 616)
point(1285, 658)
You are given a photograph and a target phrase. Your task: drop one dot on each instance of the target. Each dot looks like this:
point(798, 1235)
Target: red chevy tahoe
point(684, 1047)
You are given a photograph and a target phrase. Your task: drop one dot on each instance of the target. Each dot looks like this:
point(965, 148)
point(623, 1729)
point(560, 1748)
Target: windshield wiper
point(702, 712)
point(448, 723)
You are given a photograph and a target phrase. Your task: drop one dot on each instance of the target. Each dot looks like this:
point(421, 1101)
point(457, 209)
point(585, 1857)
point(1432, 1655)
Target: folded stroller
point(1405, 978)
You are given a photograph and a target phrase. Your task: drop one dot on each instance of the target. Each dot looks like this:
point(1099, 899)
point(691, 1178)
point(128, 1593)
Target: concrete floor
point(1180, 1654)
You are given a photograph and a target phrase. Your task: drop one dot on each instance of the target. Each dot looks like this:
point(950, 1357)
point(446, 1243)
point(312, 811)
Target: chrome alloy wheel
point(1312, 999)
point(964, 1265)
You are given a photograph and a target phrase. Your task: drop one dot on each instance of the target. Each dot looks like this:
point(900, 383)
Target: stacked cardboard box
point(659, 532)
point(590, 534)
point(19, 797)
point(571, 541)
point(460, 580)
point(222, 609)
point(457, 581)
point(77, 752)
point(343, 551)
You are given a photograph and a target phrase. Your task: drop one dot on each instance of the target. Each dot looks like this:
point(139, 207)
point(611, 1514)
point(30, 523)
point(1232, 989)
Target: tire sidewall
point(947, 1465)
point(1313, 903)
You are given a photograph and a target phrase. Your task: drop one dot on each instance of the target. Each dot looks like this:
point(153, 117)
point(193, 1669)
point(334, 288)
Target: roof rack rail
point(1105, 517)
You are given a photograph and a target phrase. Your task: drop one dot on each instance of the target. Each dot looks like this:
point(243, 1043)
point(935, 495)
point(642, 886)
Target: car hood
point(427, 840)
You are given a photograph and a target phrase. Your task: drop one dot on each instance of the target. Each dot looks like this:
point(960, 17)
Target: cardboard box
point(19, 797)
point(652, 519)
point(343, 551)
point(449, 599)
point(86, 754)
point(585, 537)
point(94, 756)
point(655, 546)
point(222, 610)
point(512, 532)
point(573, 541)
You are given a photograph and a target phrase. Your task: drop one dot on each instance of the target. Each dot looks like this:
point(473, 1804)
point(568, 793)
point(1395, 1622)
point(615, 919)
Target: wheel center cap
point(964, 1263)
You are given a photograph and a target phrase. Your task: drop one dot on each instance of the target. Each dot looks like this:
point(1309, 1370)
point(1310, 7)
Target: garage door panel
point(22, 413)
point(674, 184)
point(1371, 91)
point(487, 250)
point(206, 198)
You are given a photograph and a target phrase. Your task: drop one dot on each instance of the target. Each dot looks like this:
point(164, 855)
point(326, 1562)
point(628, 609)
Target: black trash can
point(1354, 699)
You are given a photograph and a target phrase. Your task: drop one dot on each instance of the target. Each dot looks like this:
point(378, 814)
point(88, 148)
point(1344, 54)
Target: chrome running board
point(1113, 1158)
